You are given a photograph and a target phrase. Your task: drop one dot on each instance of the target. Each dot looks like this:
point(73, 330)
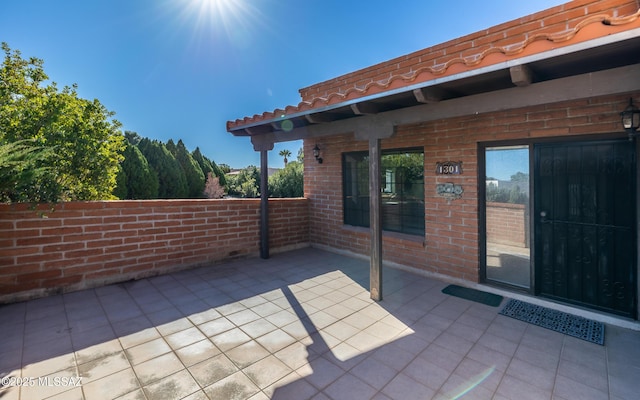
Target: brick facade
point(507, 224)
point(450, 243)
point(89, 244)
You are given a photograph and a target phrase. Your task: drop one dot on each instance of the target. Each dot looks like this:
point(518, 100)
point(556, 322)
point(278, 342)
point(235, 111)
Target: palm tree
point(285, 154)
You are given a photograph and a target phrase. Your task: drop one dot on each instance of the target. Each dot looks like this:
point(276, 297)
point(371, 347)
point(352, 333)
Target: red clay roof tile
point(604, 23)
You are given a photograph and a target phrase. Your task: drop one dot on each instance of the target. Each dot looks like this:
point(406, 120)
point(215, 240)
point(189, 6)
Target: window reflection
point(507, 215)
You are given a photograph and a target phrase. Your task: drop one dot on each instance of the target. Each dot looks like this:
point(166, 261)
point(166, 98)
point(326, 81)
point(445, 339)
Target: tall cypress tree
point(192, 171)
point(141, 182)
point(207, 165)
point(171, 177)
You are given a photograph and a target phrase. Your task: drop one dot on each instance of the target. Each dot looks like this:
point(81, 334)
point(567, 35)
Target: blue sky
point(181, 68)
point(501, 163)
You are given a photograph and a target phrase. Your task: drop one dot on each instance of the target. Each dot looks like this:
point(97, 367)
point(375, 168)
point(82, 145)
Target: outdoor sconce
point(631, 119)
point(316, 154)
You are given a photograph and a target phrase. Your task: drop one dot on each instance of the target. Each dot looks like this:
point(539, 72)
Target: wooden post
point(375, 220)
point(263, 144)
point(374, 129)
point(264, 205)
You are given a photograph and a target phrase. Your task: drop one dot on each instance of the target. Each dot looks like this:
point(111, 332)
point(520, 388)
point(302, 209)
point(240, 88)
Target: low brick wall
point(89, 244)
point(506, 224)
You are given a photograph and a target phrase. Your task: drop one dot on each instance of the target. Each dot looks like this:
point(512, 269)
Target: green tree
point(225, 168)
point(138, 178)
point(171, 146)
point(24, 176)
point(192, 171)
point(509, 192)
point(288, 182)
point(245, 183)
point(132, 137)
point(171, 179)
point(120, 191)
point(207, 165)
point(285, 153)
point(520, 177)
point(203, 162)
point(87, 141)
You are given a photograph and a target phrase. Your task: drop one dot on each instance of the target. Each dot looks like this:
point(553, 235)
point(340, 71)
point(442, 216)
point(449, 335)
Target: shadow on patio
point(299, 325)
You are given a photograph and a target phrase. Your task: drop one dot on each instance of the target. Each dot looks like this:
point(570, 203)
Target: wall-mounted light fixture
point(631, 119)
point(316, 154)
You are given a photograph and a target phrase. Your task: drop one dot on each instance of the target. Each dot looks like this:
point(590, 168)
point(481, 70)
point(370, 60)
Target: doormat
point(572, 325)
point(478, 296)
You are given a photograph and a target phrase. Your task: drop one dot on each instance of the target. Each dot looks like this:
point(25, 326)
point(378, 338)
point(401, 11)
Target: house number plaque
point(449, 168)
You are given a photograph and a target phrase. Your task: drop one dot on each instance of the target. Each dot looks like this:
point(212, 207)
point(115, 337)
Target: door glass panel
point(507, 215)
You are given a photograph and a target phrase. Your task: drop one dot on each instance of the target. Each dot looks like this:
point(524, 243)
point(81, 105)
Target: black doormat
point(572, 325)
point(478, 296)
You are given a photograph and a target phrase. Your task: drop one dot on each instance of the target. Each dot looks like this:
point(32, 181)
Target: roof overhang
point(601, 66)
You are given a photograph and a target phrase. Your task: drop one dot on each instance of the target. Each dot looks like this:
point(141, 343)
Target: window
point(507, 216)
point(402, 182)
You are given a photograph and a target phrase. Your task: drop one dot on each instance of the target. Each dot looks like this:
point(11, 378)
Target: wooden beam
point(365, 108)
point(602, 83)
point(375, 220)
point(320, 118)
point(259, 130)
point(429, 95)
point(521, 75)
point(613, 81)
point(374, 128)
point(263, 142)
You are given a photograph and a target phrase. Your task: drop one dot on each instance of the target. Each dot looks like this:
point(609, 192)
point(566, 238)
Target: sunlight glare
point(221, 19)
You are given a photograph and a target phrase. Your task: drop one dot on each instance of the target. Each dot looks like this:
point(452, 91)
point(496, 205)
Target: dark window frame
point(403, 199)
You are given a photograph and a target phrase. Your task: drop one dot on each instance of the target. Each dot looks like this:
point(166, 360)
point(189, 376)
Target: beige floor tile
point(101, 367)
point(513, 388)
point(349, 387)
point(322, 373)
point(403, 387)
point(175, 386)
point(247, 354)
point(197, 352)
point(295, 355)
point(228, 340)
point(258, 328)
point(184, 338)
point(569, 389)
point(212, 370)
point(216, 327)
point(111, 386)
point(374, 372)
point(146, 351)
point(99, 350)
point(139, 337)
point(275, 340)
point(234, 387)
point(267, 371)
point(41, 387)
point(157, 368)
point(302, 326)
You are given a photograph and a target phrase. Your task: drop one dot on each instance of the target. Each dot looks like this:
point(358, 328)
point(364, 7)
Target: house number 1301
point(449, 168)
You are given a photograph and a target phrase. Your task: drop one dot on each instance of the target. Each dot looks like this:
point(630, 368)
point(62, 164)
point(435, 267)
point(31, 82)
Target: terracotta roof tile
point(455, 64)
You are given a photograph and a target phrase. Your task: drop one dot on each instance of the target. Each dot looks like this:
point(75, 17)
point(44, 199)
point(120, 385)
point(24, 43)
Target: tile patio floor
point(299, 325)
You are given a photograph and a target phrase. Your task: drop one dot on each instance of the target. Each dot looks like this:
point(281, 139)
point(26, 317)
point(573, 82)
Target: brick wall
point(554, 20)
point(88, 244)
point(506, 224)
point(450, 243)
